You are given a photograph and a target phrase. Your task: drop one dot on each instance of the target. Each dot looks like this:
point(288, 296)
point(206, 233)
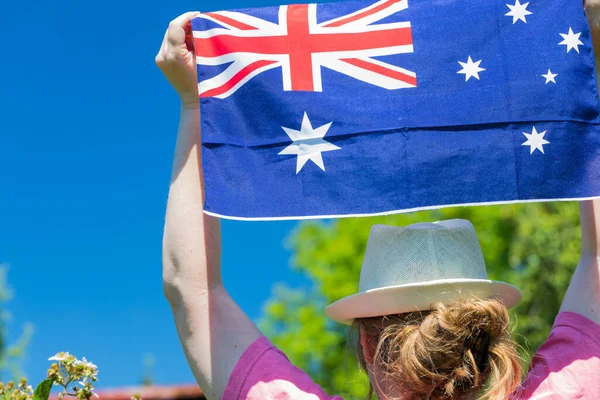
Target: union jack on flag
point(301, 46)
point(301, 116)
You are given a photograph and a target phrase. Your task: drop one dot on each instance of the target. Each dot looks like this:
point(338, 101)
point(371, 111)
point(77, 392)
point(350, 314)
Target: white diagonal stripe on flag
point(368, 15)
point(224, 85)
point(256, 23)
point(374, 72)
point(352, 29)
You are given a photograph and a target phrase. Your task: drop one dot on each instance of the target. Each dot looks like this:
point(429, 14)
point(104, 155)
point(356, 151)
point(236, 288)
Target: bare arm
point(213, 330)
point(583, 295)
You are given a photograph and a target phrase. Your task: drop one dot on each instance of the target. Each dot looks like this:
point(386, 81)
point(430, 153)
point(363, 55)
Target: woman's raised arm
point(213, 330)
point(583, 295)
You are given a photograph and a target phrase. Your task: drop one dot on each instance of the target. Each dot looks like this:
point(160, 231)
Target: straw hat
point(407, 269)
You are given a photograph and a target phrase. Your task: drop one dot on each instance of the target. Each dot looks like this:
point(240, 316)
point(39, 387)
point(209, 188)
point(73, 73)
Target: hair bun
point(472, 317)
point(450, 351)
point(472, 331)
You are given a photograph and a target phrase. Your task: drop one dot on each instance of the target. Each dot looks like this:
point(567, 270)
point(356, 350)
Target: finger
point(189, 38)
point(189, 42)
point(179, 27)
point(184, 19)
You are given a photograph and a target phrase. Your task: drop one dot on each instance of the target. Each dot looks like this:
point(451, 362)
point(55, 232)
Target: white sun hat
point(407, 269)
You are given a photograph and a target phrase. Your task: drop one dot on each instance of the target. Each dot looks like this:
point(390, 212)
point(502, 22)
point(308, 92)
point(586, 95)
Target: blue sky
point(87, 132)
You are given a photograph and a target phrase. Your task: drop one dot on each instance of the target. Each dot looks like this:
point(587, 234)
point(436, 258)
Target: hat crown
point(421, 252)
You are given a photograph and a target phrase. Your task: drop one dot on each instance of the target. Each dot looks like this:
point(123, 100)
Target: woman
point(446, 349)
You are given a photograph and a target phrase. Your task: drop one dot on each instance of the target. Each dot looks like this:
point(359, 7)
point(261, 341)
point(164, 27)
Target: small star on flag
point(308, 144)
point(535, 141)
point(571, 40)
point(518, 11)
point(470, 69)
point(550, 76)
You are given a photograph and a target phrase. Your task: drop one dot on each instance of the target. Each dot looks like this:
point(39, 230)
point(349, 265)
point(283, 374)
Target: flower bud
point(52, 373)
point(10, 385)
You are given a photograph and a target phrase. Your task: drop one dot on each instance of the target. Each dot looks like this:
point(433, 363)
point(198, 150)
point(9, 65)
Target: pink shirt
point(566, 366)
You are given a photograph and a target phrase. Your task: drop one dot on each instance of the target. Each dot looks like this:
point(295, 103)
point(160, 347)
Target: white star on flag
point(535, 141)
point(470, 69)
point(308, 144)
point(571, 40)
point(518, 11)
point(550, 76)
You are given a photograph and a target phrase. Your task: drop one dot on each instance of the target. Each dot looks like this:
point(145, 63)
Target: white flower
point(62, 356)
point(86, 363)
point(87, 385)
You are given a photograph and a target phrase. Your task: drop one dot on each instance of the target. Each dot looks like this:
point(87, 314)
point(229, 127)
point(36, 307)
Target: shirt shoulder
point(567, 365)
point(265, 373)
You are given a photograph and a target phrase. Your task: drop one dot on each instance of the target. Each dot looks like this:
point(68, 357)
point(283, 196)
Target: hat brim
point(418, 297)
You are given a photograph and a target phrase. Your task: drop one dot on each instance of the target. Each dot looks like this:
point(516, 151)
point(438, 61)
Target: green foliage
point(533, 246)
point(10, 355)
point(42, 391)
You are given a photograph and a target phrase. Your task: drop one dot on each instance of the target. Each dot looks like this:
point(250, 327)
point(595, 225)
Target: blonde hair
point(448, 352)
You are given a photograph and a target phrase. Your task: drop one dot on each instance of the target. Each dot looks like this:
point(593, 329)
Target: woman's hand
point(177, 61)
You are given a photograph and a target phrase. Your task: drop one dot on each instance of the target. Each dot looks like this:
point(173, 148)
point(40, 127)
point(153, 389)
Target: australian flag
point(373, 107)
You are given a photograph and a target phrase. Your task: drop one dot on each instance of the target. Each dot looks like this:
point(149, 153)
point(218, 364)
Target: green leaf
point(42, 391)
